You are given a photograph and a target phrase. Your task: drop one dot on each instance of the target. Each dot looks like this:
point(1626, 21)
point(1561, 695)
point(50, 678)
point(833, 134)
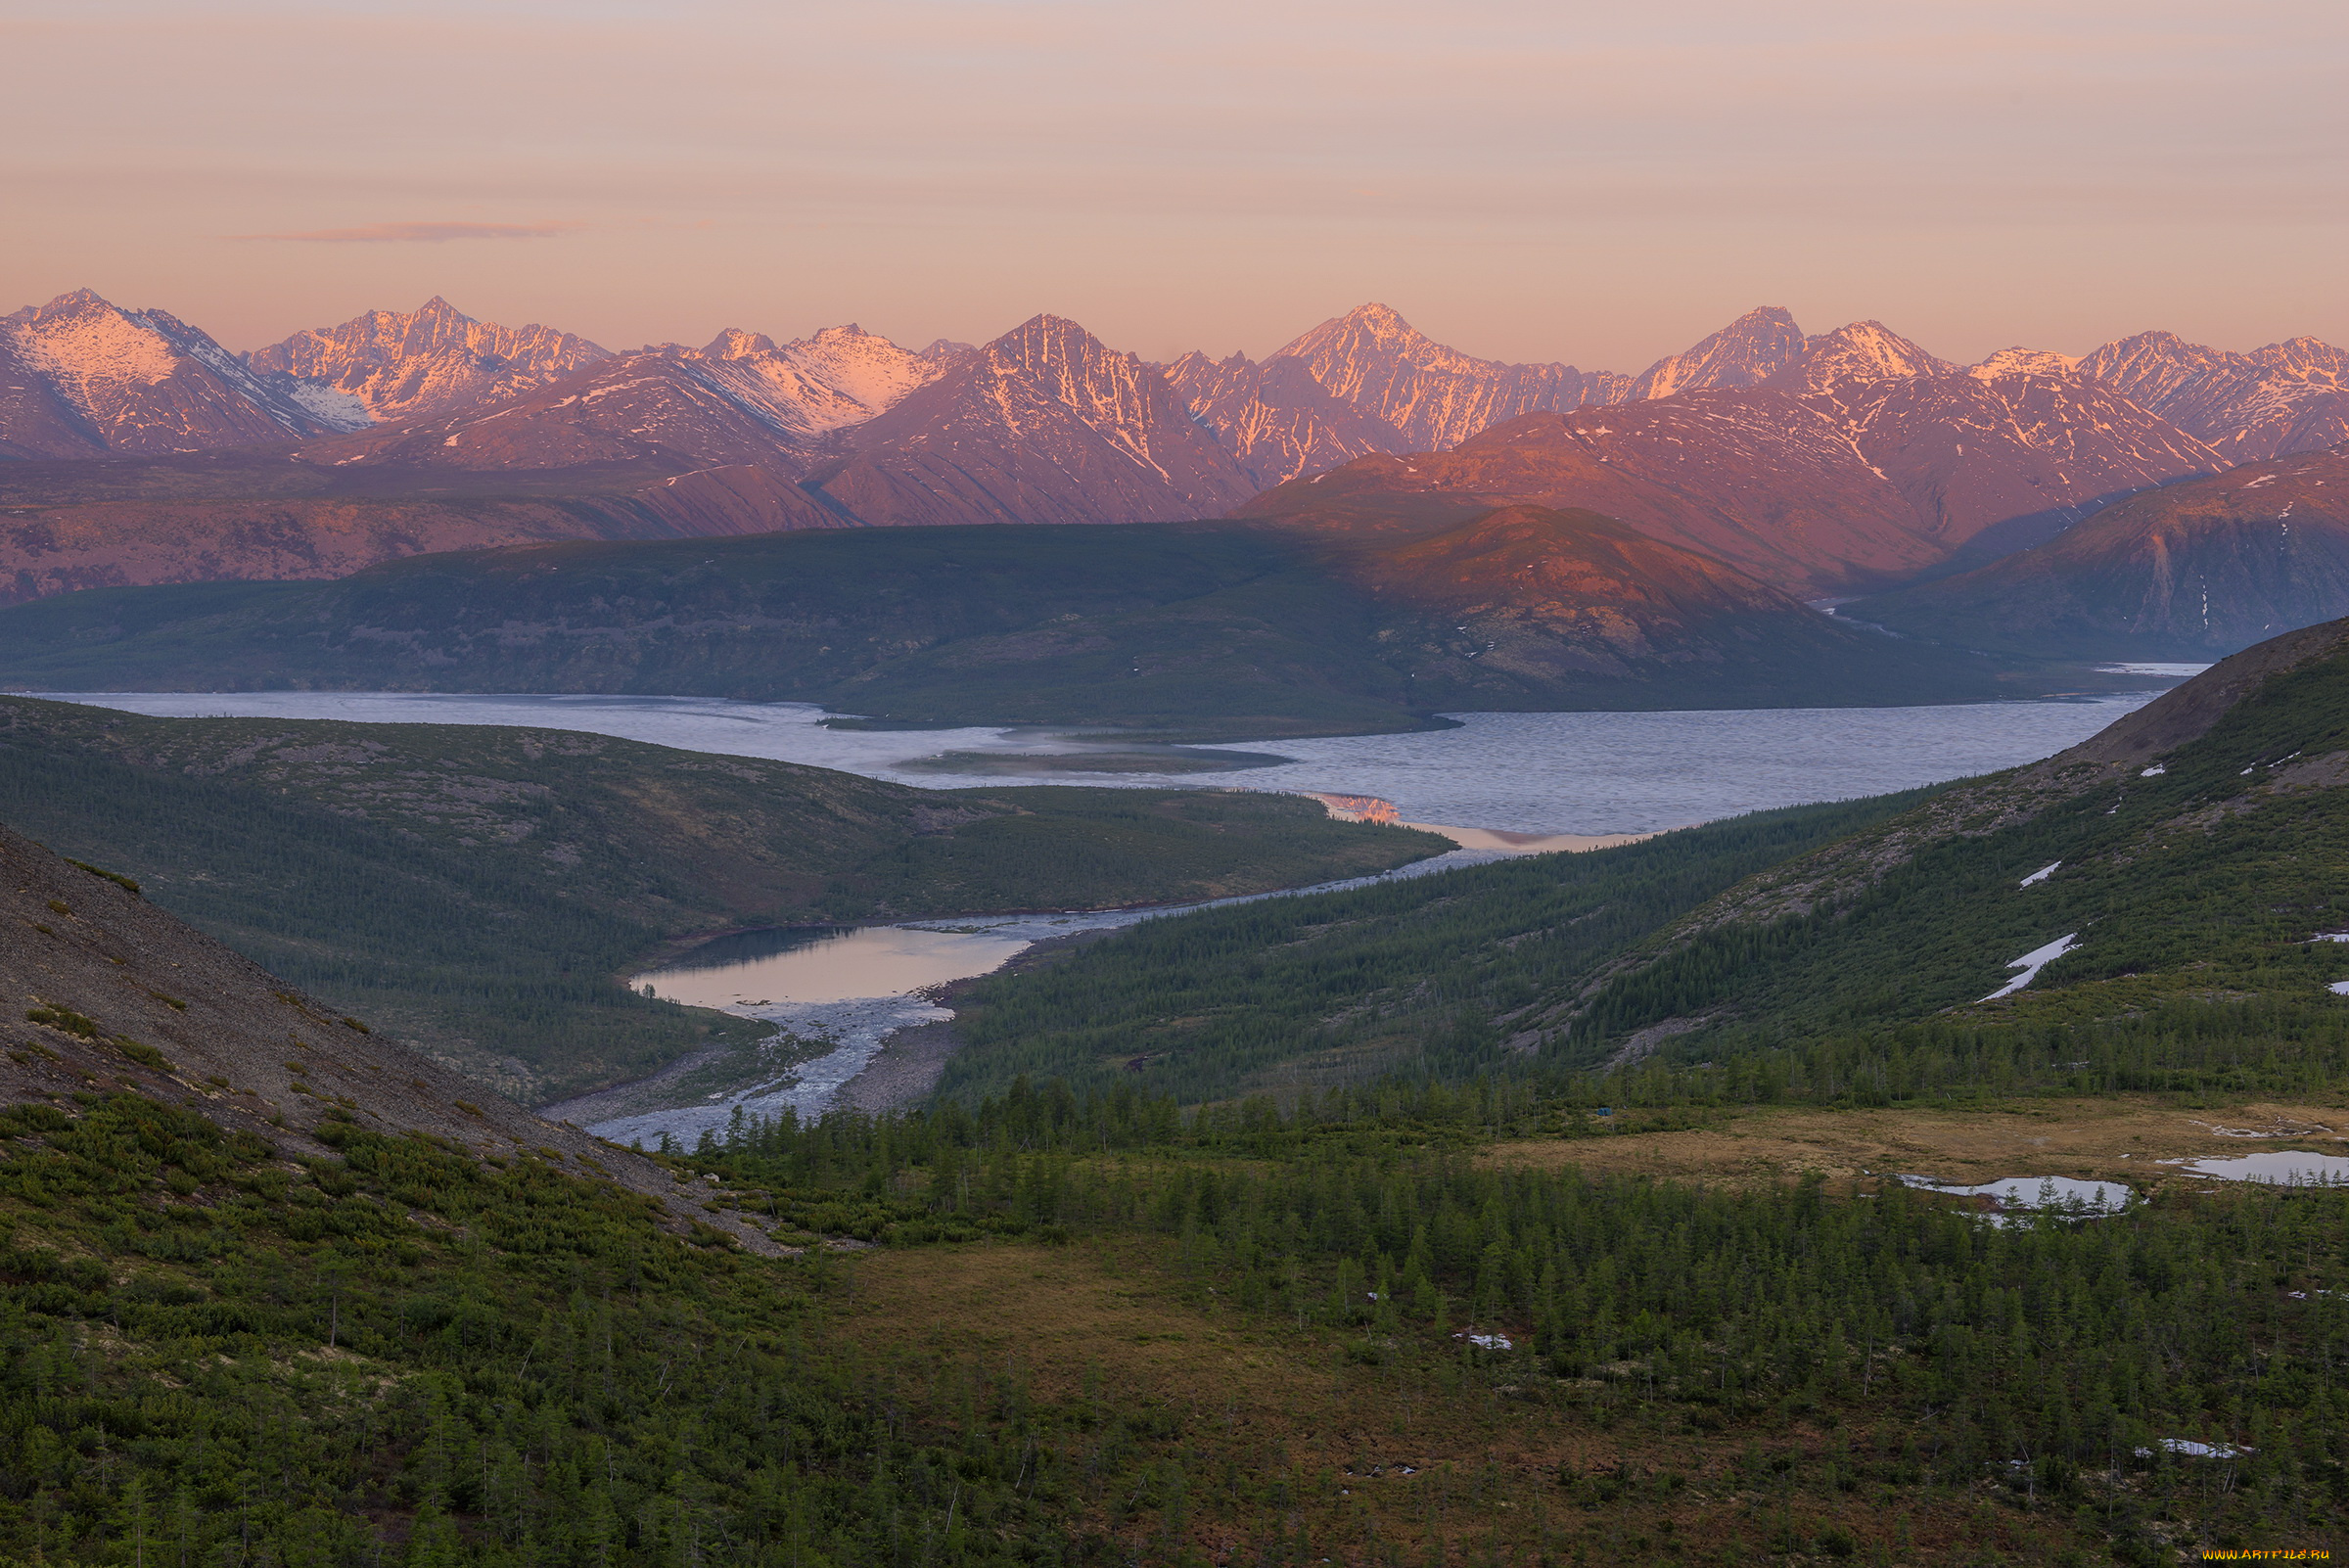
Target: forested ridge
point(1227, 628)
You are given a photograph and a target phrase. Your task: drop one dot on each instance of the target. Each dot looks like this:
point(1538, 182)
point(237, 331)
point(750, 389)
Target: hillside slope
point(2193, 572)
point(243, 516)
point(1861, 462)
point(123, 997)
point(481, 890)
point(2194, 851)
point(2178, 871)
point(1239, 629)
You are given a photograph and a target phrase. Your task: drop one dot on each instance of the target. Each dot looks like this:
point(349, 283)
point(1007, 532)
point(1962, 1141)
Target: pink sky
point(1527, 179)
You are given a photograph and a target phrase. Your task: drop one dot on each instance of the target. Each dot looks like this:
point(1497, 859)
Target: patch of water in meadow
point(1585, 773)
point(2066, 1196)
point(2288, 1168)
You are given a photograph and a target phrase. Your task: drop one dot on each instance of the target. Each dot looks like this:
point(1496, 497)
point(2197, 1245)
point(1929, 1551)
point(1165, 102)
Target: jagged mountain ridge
point(1433, 395)
point(1275, 418)
point(1750, 349)
point(2290, 396)
point(1046, 424)
point(1862, 482)
point(432, 360)
point(85, 376)
point(743, 400)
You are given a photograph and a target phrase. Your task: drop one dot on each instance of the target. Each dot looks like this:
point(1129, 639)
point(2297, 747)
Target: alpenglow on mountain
point(430, 360)
point(1851, 460)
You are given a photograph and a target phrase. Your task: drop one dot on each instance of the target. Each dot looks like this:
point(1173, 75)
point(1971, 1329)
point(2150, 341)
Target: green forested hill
point(1241, 629)
point(1436, 975)
point(2198, 846)
point(484, 888)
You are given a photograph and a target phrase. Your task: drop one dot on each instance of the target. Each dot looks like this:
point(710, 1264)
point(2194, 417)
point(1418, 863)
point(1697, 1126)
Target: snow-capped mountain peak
point(2020, 361)
point(1436, 396)
point(435, 359)
point(1860, 351)
point(1750, 349)
point(143, 381)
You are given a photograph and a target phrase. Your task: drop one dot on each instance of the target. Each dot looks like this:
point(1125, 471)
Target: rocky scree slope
point(110, 994)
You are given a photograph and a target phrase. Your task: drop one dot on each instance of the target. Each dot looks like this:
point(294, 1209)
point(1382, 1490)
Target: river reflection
point(775, 968)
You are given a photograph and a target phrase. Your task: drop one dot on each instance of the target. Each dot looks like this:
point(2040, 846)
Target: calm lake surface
point(1518, 772)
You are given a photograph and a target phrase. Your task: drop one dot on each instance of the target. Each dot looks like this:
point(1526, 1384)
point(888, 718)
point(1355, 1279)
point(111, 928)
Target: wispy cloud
point(425, 233)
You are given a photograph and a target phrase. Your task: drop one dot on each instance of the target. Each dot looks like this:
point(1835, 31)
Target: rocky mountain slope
point(1046, 424)
point(1275, 418)
point(1754, 347)
point(1231, 627)
point(2193, 572)
point(740, 400)
point(82, 377)
point(432, 360)
point(1432, 395)
point(2290, 396)
point(1817, 481)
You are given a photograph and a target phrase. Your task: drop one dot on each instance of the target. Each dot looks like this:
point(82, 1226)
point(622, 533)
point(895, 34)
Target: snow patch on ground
point(2032, 962)
point(2040, 875)
point(331, 406)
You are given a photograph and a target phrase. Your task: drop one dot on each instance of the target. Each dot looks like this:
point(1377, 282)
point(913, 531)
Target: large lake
point(1518, 772)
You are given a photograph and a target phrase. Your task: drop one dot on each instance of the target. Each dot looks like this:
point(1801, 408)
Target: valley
point(760, 752)
point(1366, 1253)
point(482, 892)
point(1109, 786)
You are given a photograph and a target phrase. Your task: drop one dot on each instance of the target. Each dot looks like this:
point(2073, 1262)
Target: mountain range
point(1821, 476)
point(88, 376)
point(1852, 461)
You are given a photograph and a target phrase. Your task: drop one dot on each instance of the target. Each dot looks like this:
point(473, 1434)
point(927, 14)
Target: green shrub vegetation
point(1420, 976)
point(402, 1354)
